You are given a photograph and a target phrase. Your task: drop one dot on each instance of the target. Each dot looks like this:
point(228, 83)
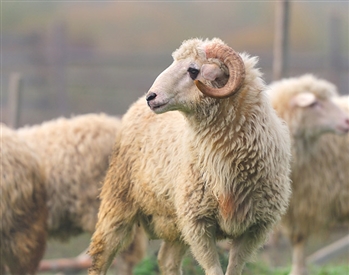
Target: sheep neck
point(221, 139)
point(304, 147)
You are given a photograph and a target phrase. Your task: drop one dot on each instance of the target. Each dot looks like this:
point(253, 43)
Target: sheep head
point(192, 74)
point(306, 104)
point(317, 115)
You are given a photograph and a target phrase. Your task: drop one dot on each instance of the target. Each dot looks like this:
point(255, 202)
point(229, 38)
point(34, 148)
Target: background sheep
point(23, 209)
point(334, 156)
point(216, 169)
point(320, 179)
point(75, 154)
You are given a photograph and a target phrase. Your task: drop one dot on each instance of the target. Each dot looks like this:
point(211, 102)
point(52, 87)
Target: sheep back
point(75, 153)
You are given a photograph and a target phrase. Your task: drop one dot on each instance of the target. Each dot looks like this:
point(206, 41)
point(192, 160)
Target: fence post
point(14, 99)
point(280, 62)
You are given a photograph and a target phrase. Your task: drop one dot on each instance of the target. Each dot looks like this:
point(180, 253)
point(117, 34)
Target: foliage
point(148, 266)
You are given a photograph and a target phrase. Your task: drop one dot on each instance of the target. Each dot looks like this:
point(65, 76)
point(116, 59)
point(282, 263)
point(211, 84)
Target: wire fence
point(60, 80)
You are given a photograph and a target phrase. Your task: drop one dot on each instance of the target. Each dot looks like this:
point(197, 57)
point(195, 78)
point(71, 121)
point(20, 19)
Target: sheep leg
point(20, 262)
point(114, 232)
point(243, 247)
point(28, 248)
point(298, 258)
point(170, 258)
point(133, 254)
point(205, 252)
point(200, 238)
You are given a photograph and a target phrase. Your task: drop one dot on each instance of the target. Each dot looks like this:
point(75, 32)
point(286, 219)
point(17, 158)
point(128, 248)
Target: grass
point(149, 266)
point(262, 266)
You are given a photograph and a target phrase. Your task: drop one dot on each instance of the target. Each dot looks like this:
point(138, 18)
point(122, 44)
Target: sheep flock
point(209, 153)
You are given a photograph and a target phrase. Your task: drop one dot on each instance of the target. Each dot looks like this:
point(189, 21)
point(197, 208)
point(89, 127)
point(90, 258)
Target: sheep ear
point(303, 99)
point(211, 72)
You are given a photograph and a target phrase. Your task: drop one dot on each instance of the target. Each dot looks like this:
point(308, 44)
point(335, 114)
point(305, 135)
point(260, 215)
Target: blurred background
point(77, 57)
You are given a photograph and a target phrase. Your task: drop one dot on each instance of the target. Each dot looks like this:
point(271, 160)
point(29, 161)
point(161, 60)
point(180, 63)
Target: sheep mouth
point(156, 107)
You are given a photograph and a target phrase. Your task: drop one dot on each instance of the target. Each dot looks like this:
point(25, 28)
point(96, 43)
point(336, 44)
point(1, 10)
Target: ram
point(75, 154)
point(23, 212)
point(319, 159)
point(207, 159)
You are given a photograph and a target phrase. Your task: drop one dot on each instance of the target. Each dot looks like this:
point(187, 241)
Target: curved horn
point(236, 70)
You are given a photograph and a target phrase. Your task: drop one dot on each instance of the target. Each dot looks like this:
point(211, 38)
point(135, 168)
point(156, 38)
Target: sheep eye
point(193, 73)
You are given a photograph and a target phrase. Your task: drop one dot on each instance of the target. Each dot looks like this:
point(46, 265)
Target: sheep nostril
point(151, 96)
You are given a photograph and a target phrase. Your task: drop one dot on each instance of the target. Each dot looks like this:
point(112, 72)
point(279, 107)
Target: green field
point(274, 261)
point(149, 267)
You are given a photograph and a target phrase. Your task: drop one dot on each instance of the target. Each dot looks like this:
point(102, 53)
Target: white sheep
point(215, 167)
point(319, 172)
point(75, 154)
point(23, 211)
